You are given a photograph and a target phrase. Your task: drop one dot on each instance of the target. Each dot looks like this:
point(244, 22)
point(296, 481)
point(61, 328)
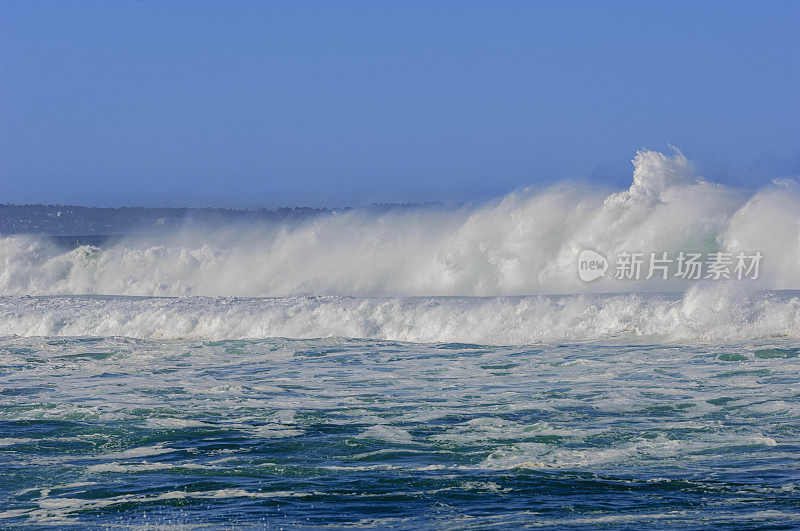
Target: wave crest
point(716, 313)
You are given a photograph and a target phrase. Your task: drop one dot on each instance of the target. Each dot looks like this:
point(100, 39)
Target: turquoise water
point(278, 432)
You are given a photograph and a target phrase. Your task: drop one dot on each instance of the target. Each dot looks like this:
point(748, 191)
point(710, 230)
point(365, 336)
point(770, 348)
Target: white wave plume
point(525, 243)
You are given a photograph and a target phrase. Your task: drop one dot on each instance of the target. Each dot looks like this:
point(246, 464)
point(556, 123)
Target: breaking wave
point(721, 312)
point(526, 243)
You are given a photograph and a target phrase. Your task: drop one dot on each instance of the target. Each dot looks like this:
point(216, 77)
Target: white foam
point(10, 441)
point(713, 313)
point(141, 451)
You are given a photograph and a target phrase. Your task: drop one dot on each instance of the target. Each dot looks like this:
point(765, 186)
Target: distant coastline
point(82, 221)
point(67, 220)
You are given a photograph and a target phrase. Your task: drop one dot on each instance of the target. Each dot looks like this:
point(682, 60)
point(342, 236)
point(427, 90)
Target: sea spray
point(523, 244)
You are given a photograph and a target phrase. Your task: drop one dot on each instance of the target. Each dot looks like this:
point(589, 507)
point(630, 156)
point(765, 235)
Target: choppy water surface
point(339, 432)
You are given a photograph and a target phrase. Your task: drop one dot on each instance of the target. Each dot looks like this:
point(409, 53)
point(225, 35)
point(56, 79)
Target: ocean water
point(287, 432)
point(428, 367)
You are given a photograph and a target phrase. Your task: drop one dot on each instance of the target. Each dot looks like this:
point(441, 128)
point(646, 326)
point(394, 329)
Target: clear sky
point(248, 104)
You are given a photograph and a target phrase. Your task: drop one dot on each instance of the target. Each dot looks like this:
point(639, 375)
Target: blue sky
point(249, 104)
